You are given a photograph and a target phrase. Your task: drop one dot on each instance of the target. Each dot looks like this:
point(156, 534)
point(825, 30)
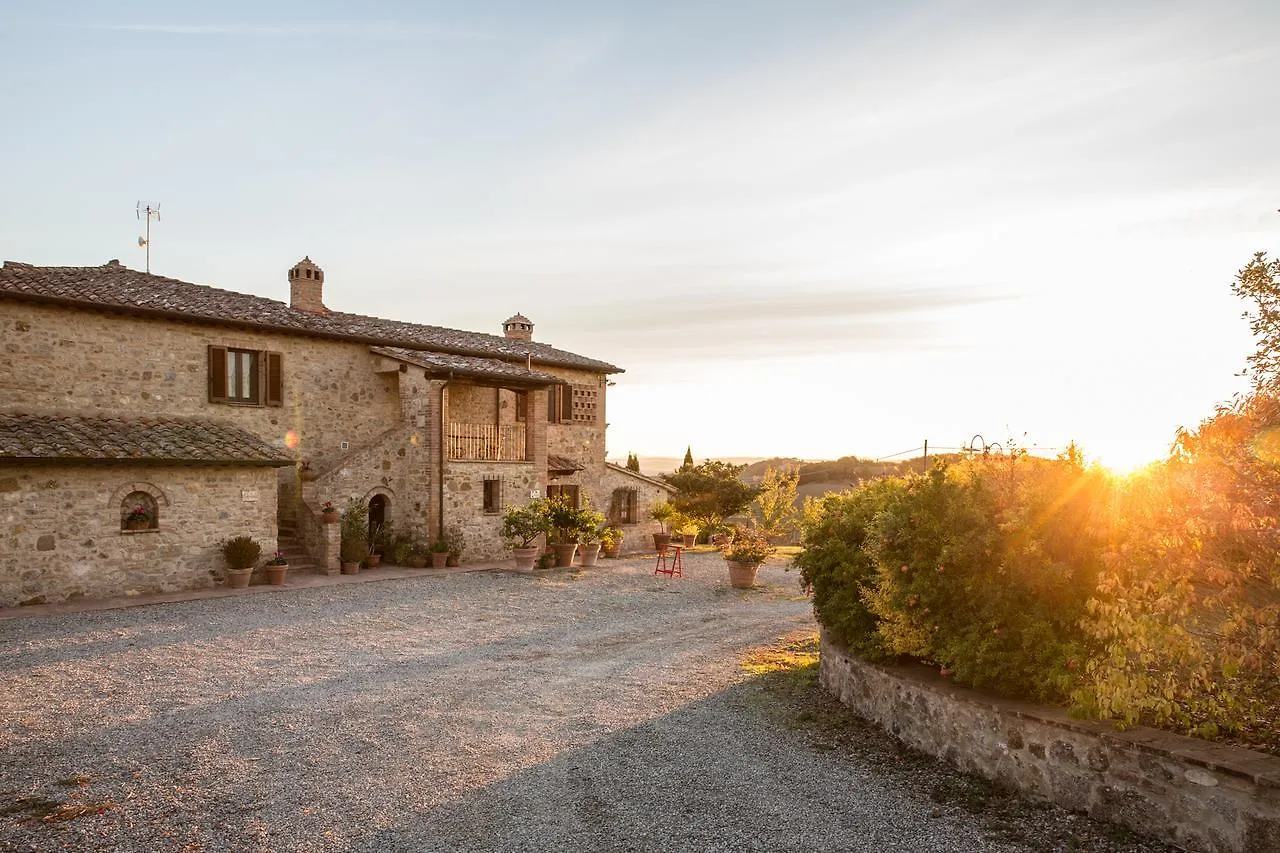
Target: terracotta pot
point(742, 575)
point(308, 476)
point(454, 561)
point(136, 524)
point(238, 578)
point(439, 558)
point(610, 552)
point(690, 541)
point(351, 568)
point(418, 561)
point(276, 575)
point(564, 553)
point(330, 517)
point(661, 541)
point(373, 561)
point(526, 557)
point(589, 553)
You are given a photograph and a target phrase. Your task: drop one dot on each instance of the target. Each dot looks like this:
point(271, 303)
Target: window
point(559, 404)
point(246, 377)
point(492, 496)
point(522, 406)
point(569, 492)
point(622, 507)
point(139, 511)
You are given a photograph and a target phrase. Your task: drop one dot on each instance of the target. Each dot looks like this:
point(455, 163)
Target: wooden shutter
point(617, 506)
point(631, 506)
point(566, 404)
point(553, 407)
point(522, 406)
point(217, 374)
point(274, 371)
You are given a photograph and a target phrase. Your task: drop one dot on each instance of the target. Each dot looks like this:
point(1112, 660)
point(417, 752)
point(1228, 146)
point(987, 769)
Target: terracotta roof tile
point(115, 286)
point(145, 440)
point(466, 365)
point(563, 465)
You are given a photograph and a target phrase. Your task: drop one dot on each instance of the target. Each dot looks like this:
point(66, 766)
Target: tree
point(709, 492)
point(1259, 281)
point(633, 463)
point(688, 459)
point(775, 506)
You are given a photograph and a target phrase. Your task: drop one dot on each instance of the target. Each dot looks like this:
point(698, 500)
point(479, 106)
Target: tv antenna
point(151, 213)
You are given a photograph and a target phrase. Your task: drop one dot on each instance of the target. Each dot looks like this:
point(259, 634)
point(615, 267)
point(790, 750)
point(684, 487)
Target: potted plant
point(418, 554)
point(745, 550)
point(305, 474)
point(662, 512)
point(277, 569)
point(241, 553)
point(329, 513)
point(139, 518)
point(566, 522)
point(687, 528)
point(610, 540)
point(590, 527)
point(439, 549)
point(400, 551)
point(377, 544)
point(456, 542)
point(521, 527)
point(355, 536)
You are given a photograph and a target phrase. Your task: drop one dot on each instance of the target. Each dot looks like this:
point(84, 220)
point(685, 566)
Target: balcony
point(486, 442)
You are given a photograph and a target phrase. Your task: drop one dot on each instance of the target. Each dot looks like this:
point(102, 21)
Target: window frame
point(494, 506)
point(265, 376)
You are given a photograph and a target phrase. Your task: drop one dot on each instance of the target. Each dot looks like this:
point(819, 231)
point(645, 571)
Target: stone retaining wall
point(1192, 793)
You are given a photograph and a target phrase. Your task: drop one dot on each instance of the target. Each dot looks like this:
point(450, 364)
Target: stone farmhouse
point(121, 389)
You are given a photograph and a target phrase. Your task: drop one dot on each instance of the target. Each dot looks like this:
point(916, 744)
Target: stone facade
point(367, 423)
point(1195, 794)
point(61, 535)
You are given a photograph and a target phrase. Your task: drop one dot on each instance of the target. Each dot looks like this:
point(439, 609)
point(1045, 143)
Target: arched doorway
point(378, 506)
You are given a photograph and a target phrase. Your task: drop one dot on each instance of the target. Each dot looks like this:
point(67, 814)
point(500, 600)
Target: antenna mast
point(145, 242)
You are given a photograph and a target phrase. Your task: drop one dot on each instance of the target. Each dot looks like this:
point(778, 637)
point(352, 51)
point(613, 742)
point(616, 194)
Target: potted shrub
point(521, 527)
point(400, 551)
point(746, 549)
point(305, 474)
point(590, 527)
point(566, 522)
point(277, 569)
point(355, 536)
point(418, 554)
point(687, 528)
point(439, 553)
point(329, 513)
point(662, 512)
point(610, 540)
point(139, 518)
point(377, 545)
point(241, 553)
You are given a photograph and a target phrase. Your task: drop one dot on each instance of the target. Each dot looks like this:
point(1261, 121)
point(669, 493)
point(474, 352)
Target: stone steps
point(292, 549)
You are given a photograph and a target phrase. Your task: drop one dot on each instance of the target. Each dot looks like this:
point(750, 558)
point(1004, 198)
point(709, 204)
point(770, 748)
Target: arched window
point(139, 511)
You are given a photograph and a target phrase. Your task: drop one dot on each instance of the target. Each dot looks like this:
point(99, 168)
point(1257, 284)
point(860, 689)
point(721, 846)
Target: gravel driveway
point(600, 710)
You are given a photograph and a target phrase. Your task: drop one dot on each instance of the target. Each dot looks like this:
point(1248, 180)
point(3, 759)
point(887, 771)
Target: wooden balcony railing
point(487, 442)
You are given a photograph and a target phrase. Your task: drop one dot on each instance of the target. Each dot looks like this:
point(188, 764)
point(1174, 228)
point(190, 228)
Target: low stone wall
point(1192, 793)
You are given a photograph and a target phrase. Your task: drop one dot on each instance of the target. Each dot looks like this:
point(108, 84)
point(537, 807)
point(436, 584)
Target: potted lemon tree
point(745, 550)
point(521, 528)
point(662, 512)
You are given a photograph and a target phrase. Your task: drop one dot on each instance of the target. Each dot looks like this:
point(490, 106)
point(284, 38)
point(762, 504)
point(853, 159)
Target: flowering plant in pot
point(418, 554)
point(306, 474)
point(687, 528)
point(139, 518)
point(241, 553)
point(610, 540)
point(277, 569)
point(745, 550)
point(662, 512)
point(329, 513)
point(521, 528)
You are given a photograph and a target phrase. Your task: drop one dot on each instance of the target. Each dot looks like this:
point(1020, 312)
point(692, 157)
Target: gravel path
point(601, 710)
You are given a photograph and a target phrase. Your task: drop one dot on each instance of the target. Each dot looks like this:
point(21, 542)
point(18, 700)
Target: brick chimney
point(518, 327)
point(306, 281)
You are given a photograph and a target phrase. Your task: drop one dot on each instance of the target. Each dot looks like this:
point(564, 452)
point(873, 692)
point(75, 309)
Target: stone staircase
point(291, 547)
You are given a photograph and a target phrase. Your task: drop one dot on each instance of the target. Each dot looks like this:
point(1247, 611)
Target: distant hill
point(652, 466)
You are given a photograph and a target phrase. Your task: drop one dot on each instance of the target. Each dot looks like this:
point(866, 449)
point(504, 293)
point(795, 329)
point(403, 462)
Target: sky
point(808, 229)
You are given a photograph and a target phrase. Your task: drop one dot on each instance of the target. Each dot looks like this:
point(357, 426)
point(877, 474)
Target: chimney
point(518, 327)
point(306, 281)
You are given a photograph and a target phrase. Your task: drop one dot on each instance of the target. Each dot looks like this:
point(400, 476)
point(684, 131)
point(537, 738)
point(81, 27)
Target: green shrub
point(241, 552)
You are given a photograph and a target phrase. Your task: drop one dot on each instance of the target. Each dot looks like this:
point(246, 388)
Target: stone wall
point(1192, 793)
point(472, 404)
point(464, 503)
point(60, 528)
